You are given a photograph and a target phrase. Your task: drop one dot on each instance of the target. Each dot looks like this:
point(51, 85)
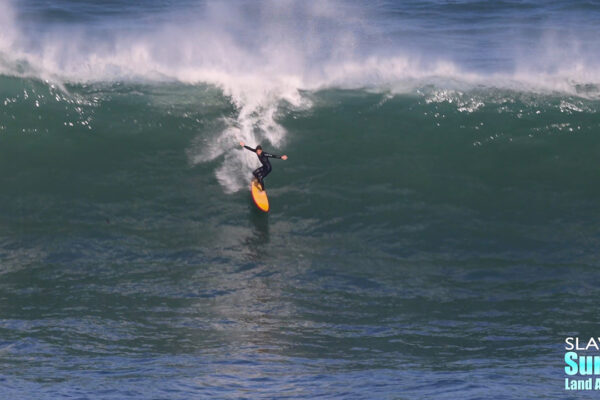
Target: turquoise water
point(433, 233)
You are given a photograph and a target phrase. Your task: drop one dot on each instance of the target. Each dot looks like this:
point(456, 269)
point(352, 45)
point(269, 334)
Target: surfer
point(261, 172)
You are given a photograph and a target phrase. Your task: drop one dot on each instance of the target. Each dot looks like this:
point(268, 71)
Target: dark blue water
point(433, 234)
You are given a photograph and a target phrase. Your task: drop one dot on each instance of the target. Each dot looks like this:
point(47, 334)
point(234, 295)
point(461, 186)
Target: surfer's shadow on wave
point(258, 237)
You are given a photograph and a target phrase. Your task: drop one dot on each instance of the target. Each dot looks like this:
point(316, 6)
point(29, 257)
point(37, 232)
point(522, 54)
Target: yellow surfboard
point(259, 196)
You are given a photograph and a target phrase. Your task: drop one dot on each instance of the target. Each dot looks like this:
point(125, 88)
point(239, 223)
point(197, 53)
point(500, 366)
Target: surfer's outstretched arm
point(248, 147)
point(263, 153)
point(283, 157)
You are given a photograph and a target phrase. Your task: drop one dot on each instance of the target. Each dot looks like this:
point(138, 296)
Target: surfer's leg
point(259, 174)
point(260, 177)
point(263, 175)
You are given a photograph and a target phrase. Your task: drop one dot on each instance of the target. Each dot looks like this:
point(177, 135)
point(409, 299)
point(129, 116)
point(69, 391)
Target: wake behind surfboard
point(259, 196)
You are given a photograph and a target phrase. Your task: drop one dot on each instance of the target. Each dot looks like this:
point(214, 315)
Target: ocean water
point(433, 234)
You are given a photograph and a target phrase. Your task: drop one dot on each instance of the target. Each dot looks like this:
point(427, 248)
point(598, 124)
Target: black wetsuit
point(263, 171)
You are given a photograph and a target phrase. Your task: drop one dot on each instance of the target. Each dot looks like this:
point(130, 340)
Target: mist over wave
point(251, 47)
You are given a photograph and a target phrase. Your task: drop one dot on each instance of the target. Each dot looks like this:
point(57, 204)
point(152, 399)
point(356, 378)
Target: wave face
point(433, 232)
point(263, 53)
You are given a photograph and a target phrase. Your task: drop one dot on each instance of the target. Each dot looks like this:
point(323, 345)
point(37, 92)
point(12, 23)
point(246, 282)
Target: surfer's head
point(258, 149)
